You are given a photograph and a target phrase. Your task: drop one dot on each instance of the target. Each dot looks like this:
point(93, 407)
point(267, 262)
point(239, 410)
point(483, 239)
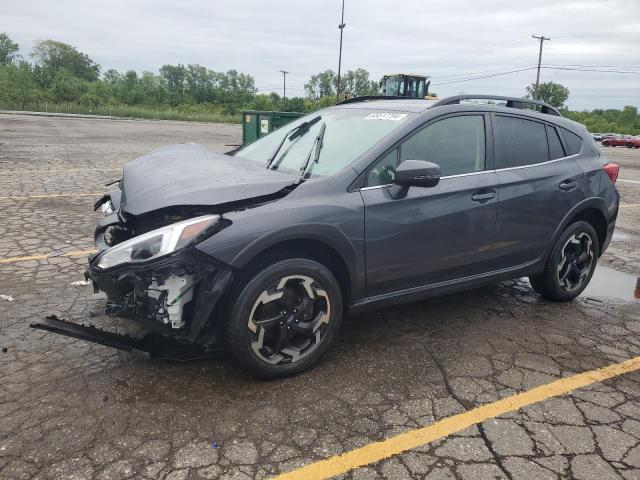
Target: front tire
point(284, 318)
point(570, 265)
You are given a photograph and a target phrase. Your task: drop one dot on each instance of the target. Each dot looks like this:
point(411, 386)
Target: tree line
point(57, 74)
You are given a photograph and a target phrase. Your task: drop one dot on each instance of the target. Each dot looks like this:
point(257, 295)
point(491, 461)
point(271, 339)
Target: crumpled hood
point(188, 174)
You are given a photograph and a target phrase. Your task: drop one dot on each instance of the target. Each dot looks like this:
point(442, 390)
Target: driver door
point(434, 234)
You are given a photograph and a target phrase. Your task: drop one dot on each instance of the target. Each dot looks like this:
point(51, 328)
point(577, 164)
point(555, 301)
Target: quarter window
point(519, 142)
point(555, 145)
point(457, 144)
point(574, 142)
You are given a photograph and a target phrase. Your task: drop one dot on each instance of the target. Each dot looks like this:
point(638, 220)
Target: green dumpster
point(256, 124)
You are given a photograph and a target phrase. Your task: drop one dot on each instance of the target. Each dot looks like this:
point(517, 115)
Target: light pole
point(341, 27)
point(284, 84)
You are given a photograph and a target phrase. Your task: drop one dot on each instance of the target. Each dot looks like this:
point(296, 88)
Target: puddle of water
point(621, 236)
point(610, 283)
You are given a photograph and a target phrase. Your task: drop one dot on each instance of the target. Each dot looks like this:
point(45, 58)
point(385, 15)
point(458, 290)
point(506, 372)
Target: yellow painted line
point(45, 256)
point(629, 205)
point(374, 452)
point(51, 195)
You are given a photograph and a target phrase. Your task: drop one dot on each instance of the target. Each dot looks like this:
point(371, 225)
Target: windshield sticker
point(395, 117)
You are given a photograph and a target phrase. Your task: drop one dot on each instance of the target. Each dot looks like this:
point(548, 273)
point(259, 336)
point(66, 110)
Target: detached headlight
point(156, 243)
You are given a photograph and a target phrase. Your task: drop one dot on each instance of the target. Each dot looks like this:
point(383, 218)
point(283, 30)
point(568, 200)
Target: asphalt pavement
point(72, 410)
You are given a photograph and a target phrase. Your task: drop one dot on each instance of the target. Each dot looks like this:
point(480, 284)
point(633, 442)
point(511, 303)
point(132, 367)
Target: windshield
point(348, 133)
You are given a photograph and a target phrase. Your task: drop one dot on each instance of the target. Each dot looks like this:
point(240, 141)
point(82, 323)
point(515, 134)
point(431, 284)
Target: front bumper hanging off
point(150, 345)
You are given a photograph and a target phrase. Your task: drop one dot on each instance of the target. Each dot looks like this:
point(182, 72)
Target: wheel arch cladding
point(312, 249)
point(597, 220)
point(592, 210)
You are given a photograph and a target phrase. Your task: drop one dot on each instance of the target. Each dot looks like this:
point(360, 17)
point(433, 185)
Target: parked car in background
point(597, 136)
point(623, 141)
point(369, 203)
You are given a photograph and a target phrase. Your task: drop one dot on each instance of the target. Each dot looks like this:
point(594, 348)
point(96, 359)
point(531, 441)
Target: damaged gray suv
point(370, 203)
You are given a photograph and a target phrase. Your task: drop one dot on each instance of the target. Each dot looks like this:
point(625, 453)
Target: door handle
point(568, 185)
point(483, 196)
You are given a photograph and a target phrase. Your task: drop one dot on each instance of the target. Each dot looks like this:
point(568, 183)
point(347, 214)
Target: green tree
point(8, 50)
point(51, 57)
point(553, 93)
point(18, 87)
point(357, 83)
point(321, 85)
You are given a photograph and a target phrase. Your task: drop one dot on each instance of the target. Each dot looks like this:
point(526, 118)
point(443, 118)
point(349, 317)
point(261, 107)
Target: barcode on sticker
point(386, 116)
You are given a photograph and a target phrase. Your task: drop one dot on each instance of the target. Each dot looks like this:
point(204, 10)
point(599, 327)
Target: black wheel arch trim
point(596, 203)
point(327, 234)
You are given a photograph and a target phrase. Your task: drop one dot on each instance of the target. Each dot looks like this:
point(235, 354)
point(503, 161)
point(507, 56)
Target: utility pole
point(542, 38)
point(341, 27)
point(284, 84)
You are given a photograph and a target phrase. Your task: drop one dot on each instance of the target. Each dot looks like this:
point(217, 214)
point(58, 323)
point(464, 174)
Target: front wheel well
point(297, 248)
point(597, 220)
point(312, 250)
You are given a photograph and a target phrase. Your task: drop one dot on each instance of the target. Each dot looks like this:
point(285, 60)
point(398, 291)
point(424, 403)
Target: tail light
point(612, 170)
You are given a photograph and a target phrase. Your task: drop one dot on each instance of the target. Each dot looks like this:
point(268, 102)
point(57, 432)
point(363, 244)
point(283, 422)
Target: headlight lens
point(156, 243)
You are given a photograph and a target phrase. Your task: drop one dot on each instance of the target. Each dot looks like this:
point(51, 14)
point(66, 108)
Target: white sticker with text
point(395, 117)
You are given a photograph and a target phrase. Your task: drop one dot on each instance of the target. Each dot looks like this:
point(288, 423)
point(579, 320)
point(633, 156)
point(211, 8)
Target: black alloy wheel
point(575, 262)
point(570, 265)
point(284, 317)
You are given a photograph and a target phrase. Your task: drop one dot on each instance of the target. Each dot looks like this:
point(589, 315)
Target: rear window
point(574, 142)
point(555, 145)
point(519, 142)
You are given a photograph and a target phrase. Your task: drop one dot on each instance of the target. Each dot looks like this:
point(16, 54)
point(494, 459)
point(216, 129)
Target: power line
point(551, 67)
point(597, 34)
point(481, 72)
point(595, 66)
point(485, 76)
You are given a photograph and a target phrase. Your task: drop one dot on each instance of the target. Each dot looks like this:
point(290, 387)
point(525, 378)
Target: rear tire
point(630, 145)
point(570, 265)
point(283, 317)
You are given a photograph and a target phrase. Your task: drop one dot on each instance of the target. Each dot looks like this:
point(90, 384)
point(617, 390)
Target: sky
point(452, 41)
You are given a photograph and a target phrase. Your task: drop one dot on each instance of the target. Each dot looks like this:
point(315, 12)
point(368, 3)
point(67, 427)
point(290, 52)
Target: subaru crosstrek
point(369, 203)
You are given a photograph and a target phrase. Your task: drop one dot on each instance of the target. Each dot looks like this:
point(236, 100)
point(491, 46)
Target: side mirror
point(417, 173)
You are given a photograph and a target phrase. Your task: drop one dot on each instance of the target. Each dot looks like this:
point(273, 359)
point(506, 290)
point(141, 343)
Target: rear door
point(540, 181)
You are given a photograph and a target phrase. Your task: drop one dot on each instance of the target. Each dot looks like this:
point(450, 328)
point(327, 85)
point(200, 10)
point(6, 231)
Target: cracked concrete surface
point(71, 410)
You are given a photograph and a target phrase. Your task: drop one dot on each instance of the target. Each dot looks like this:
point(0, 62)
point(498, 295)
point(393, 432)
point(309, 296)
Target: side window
point(383, 172)
point(574, 142)
point(555, 145)
point(457, 144)
point(519, 142)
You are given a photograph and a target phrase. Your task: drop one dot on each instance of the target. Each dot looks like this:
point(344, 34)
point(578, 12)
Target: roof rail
point(365, 98)
point(512, 102)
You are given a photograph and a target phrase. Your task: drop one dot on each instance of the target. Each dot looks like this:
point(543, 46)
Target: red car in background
point(629, 142)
